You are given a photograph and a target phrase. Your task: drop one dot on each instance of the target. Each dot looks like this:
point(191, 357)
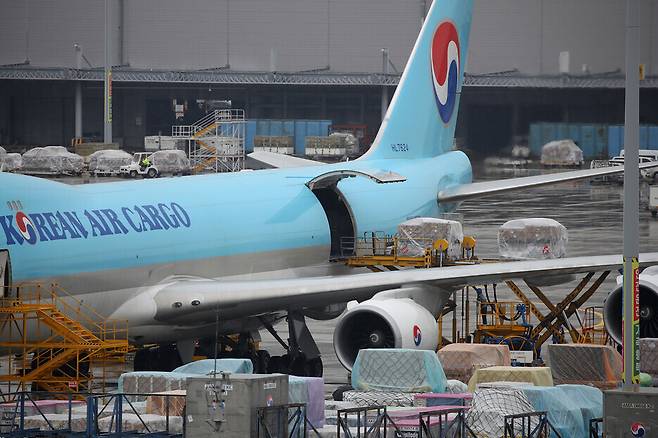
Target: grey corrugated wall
point(293, 35)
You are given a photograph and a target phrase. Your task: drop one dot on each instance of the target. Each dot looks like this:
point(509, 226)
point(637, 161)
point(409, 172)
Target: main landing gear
point(302, 357)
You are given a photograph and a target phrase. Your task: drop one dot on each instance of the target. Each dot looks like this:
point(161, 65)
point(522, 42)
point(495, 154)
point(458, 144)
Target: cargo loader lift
point(55, 341)
point(496, 321)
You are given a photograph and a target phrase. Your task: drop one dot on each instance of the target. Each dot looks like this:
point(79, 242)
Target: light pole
point(107, 101)
point(631, 312)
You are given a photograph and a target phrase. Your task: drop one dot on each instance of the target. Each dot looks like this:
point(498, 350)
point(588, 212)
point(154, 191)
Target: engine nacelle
point(386, 321)
point(612, 308)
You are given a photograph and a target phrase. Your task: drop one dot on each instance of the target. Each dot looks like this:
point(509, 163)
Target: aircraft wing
point(479, 189)
point(281, 161)
point(185, 298)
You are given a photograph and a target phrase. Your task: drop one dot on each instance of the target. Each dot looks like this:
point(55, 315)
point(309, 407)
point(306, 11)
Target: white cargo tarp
point(108, 161)
point(532, 238)
point(52, 160)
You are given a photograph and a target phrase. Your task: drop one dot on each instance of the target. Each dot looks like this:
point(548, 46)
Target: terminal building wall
point(295, 35)
point(301, 35)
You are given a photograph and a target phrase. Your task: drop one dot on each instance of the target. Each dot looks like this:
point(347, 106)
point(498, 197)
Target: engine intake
point(384, 323)
point(612, 309)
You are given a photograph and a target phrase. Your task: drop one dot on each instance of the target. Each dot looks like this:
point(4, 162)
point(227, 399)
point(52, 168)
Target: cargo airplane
point(174, 255)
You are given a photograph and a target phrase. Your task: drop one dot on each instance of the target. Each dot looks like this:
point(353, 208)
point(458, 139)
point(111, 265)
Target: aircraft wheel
point(337, 395)
point(141, 361)
point(298, 366)
point(275, 365)
point(261, 361)
point(314, 367)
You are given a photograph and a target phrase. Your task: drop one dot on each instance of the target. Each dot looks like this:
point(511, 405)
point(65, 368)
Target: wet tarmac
point(592, 213)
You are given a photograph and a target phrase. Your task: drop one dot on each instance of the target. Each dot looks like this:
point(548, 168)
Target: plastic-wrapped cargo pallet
point(595, 365)
point(649, 358)
point(398, 369)
point(173, 161)
point(108, 161)
point(532, 238)
point(563, 407)
point(490, 406)
point(149, 382)
point(308, 390)
point(459, 361)
point(538, 376)
point(561, 153)
point(389, 376)
point(207, 367)
point(418, 234)
point(52, 160)
point(10, 162)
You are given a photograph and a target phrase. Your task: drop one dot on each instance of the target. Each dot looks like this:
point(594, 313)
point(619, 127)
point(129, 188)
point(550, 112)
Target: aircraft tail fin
point(420, 121)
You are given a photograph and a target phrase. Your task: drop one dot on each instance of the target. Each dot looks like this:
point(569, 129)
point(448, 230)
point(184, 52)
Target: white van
point(647, 153)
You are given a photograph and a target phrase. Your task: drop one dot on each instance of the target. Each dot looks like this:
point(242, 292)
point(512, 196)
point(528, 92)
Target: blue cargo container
point(298, 129)
point(648, 138)
point(596, 140)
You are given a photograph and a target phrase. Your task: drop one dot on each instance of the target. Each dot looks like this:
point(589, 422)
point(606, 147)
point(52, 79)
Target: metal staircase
point(55, 340)
point(216, 142)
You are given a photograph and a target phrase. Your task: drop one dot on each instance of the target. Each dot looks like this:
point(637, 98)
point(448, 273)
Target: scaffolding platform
point(53, 341)
point(215, 143)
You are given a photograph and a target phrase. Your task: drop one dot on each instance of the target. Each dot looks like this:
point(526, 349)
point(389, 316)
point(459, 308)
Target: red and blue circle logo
point(417, 335)
point(445, 60)
point(26, 228)
point(637, 429)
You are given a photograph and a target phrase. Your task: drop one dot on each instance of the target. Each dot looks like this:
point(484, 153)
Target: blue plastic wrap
point(569, 407)
point(309, 390)
point(587, 398)
point(207, 366)
point(399, 370)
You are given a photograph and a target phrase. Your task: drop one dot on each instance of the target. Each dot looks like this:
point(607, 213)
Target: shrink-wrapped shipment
point(596, 365)
point(10, 162)
point(398, 370)
point(460, 361)
point(52, 160)
point(108, 161)
point(173, 161)
point(486, 418)
point(532, 238)
point(418, 234)
point(561, 153)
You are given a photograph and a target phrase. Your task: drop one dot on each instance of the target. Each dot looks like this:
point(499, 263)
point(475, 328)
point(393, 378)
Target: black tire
point(338, 393)
point(654, 213)
point(151, 173)
point(314, 367)
point(133, 174)
point(298, 366)
point(261, 362)
point(274, 365)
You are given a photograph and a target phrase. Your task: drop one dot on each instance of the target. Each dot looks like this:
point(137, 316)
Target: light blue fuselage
point(220, 215)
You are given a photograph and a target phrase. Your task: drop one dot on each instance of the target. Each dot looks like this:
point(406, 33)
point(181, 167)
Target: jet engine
point(401, 318)
point(612, 309)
